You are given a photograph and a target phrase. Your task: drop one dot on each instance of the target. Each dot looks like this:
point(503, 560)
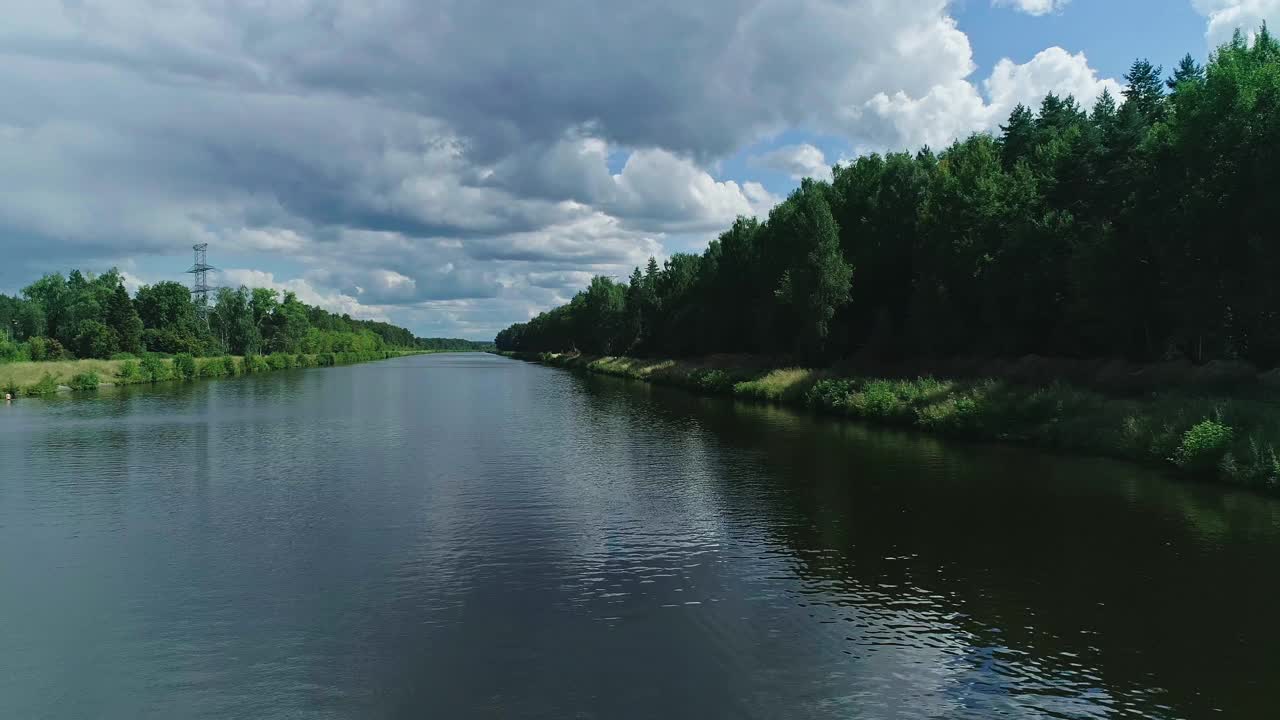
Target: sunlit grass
point(786, 385)
point(41, 378)
point(26, 374)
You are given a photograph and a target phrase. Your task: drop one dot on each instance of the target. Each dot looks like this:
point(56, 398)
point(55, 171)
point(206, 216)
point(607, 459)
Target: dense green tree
point(93, 316)
point(287, 325)
point(51, 295)
point(599, 317)
point(231, 321)
point(262, 305)
point(817, 283)
point(1144, 93)
point(20, 318)
point(95, 340)
point(1018, 138)
point(1188, 70)
point(165, 304)
point(637, 300)
point(170, 319)
point(124, 320)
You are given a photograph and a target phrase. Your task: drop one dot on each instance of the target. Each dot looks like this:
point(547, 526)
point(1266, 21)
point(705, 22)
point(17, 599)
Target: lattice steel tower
point(200, 282)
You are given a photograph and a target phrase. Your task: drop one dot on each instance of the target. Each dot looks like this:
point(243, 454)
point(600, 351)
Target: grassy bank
point(29, 379)
point(1223, 435)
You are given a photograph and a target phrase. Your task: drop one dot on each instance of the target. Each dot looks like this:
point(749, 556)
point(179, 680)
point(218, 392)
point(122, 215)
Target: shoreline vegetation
point(1216, 426)
point(1128, 248)
point(34, 379)
point(82, 331)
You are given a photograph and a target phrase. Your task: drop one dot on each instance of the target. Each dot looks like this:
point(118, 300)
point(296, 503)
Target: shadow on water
point(1070, 576)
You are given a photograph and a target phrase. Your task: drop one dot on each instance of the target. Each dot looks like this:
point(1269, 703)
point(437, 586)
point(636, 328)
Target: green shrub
point(124, 356)
point(1204, 446)
point(11, 388)
point(11, 351)
point(878, 401)
point(279, 361)
point(254, 364)
point(229, 366)
point(712, 381)
point(48, 384)
point(129, 372)
point(184, 366)
point(829, 395)
point(210, 367)
point(1261, 467)
point(43, 348)
point(954, 414)
point(153, 369)
point(85, 381)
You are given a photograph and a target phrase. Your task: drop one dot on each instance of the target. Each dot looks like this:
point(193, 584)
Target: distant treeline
point(1139, 229)
point(453, 344)
point(82, 315)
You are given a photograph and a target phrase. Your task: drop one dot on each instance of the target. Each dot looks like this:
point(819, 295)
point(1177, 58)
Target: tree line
point(1138, 228)
point(82, 315)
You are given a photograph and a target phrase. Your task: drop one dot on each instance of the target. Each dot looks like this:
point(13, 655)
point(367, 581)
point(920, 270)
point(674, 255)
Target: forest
point(82, 315)
point(1138, 228)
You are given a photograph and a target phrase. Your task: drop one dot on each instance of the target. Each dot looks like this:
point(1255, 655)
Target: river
point(463, 536)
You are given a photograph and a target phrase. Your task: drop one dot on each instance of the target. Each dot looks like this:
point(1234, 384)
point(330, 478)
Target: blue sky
point(455, 167)
point(1111, 33)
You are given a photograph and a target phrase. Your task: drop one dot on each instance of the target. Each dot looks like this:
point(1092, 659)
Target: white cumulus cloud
point(1227, 16)
point(953, 109)
point(1032, 7)
point(332, 301)
point(798, 161)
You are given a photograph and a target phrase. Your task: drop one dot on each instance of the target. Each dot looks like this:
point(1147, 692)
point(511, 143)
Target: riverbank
point(1225, 435)
point(30, 379)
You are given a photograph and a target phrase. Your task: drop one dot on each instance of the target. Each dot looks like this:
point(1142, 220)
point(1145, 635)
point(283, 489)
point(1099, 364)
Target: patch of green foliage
point(85, 381)
point(230, 367)
point(130, 372)
point(225, 366)
point(184, 366)
point(153, 369)
point(250, 364)
point(1203, 446)
point(711, 380)
point(11, 351)
point(48, 384)
point(41, 349)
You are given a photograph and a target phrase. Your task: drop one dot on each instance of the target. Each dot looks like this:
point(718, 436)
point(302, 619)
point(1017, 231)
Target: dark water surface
point(458, 536)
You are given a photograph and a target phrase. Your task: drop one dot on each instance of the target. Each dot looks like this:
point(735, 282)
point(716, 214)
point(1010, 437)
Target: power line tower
point(200, 288)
